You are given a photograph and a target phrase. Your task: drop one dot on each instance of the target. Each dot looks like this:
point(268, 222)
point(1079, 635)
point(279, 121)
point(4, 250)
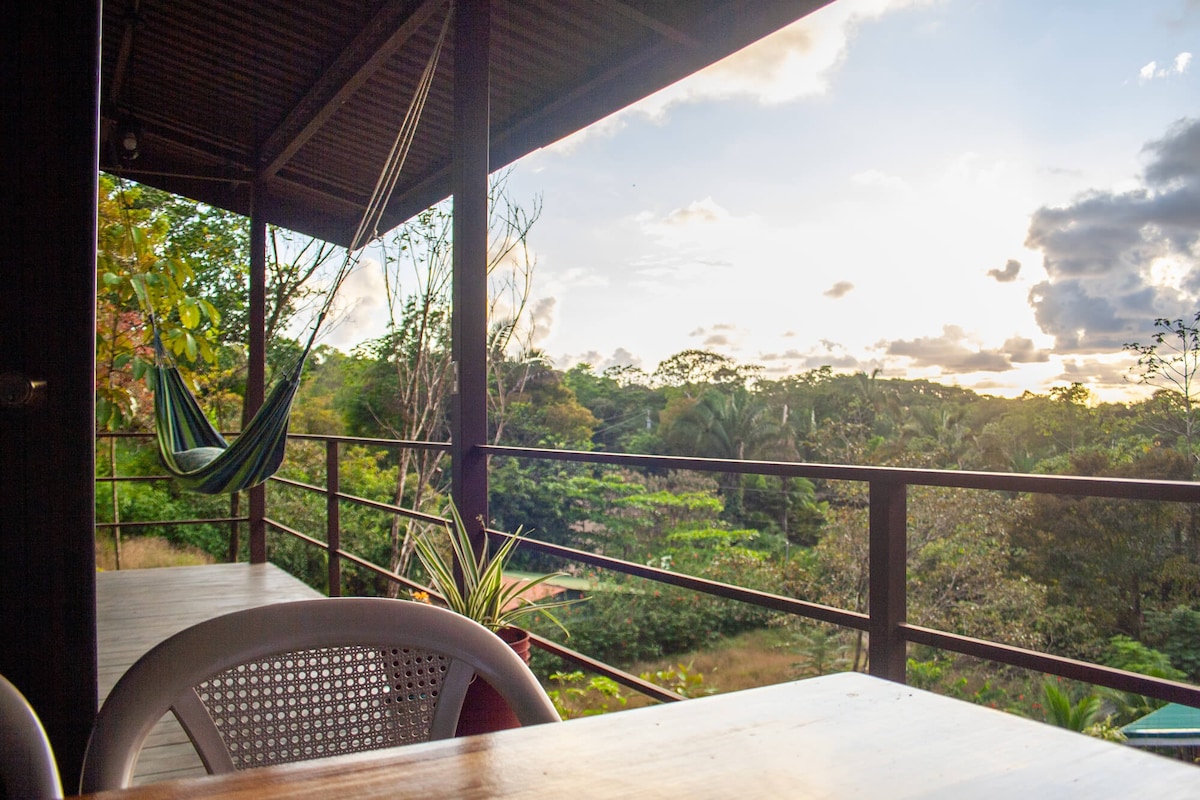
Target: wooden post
point(889, 570)
point(256, 375)
point(470, 186)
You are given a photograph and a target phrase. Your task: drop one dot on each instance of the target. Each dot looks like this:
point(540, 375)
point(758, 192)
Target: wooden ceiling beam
point(353, 67)
point(647, 21)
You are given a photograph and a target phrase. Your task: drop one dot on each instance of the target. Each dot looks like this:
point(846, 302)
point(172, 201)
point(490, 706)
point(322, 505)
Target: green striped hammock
point(198, 456)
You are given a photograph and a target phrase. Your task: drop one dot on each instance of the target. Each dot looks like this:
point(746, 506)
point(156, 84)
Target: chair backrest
point(27, 765)
point(304, 680)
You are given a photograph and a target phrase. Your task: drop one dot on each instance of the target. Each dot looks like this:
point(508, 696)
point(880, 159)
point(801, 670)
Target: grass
point(146, 552)
point(756, 658)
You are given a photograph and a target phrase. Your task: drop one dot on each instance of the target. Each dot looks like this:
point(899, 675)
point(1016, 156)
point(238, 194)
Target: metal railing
point(885, 622)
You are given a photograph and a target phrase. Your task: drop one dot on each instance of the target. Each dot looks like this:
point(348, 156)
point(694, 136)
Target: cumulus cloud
point(358, 312)
point(839, 289)
point(542, 318)
point(1116, 260)
point(600, 362)
point(698, 212)
point(825, 354)
point(1153, 71)
point(1007, 275)
point(719, 336)
point(954, 352)
point(793, 63)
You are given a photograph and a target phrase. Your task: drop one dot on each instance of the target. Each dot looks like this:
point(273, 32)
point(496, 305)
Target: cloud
point(794, 63)
point(600, 362)
point(358, 312)
point(954, 352)
point(1153, 71)
point(1008, 274)
point(826, 354)
point(839, 289)
point(698, 212)
point(877, 179)
point(542, 319)
point(1023, 351)
point(719, 336)
point(1116, 260)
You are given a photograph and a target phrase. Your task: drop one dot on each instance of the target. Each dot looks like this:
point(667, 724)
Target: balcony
point(890, 636)
point(232, 117)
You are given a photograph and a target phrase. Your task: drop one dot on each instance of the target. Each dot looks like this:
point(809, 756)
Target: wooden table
point(839, 736)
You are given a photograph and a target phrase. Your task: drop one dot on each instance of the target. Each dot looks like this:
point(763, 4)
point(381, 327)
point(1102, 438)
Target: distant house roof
point(1173, 725)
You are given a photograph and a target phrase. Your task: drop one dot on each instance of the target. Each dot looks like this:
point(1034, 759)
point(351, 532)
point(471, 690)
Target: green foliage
point(1073, 715)
point(577, 695)
point(484, 595)
point(138, 274)
point(821, 649)
point(1177, 632)
point(681, 679)
point(625, 620)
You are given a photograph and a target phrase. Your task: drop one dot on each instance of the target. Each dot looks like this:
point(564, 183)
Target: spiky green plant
point(483, 597)
point(1075, 717)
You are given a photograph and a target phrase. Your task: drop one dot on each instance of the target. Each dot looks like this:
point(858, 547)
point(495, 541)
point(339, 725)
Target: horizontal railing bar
point(297, 484)
point(347, 555)
point(625, 678)
point(304, 537)
point(406, 444)
point(1160, 688)
point(132, 478)
point(162, 523)
point(1122, 488)
point(363, 501)
point(774, 602)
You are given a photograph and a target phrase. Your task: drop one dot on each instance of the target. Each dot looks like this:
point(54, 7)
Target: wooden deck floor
point(137, 609)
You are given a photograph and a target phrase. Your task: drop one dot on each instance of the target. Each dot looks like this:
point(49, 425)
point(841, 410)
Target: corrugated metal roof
point(306, 96)
point(1173, 724)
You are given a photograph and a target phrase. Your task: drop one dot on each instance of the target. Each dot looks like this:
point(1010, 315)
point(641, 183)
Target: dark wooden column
point(470, 186)
point(49, 79)
point(256, 374)
point(888, 583)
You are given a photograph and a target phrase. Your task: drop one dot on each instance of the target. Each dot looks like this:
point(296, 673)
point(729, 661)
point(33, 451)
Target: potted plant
point(485, 597)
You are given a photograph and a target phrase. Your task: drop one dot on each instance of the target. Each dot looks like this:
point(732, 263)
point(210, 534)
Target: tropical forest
point(1111, 581)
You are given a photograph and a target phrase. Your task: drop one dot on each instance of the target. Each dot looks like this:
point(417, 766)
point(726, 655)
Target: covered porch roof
point(282, 109)
point(303, 100)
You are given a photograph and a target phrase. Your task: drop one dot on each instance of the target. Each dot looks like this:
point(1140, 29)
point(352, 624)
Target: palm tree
point(1074, 717)
point(735, 426)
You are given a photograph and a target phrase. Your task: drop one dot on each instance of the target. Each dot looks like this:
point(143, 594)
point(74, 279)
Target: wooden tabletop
point(839, 736)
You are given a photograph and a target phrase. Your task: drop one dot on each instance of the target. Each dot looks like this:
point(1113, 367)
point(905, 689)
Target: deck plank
point(136, 609)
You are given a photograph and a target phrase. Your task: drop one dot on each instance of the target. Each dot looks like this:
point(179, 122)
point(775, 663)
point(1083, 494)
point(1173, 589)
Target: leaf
point(210, 311)
point(189, 313)
point(139, 288)
point(112, 279)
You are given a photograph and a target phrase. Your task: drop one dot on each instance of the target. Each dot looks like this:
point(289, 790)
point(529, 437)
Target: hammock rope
point(191, 449)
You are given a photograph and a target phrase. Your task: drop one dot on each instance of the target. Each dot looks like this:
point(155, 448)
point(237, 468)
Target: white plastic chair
point(304, 680)
point(27, 765)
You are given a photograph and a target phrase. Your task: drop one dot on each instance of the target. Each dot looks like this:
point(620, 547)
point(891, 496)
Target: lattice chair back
point(27, 765)
point(306, 680)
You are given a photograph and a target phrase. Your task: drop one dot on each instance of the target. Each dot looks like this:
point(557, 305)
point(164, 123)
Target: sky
point(996, 194)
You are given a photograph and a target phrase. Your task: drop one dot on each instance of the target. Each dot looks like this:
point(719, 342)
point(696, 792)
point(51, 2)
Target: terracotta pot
point(484, 709)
